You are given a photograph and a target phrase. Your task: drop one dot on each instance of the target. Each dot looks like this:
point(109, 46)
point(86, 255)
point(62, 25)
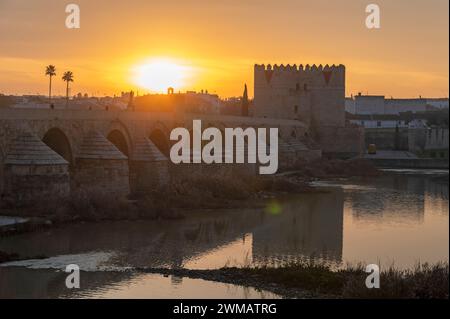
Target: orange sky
point(220, 41)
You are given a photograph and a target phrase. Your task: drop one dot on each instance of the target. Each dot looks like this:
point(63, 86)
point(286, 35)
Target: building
point(378, 121)
point(188, 102)
point(429, 141)
point(423, 133)
point(314, 95)
point(231, 106)
point(310, 93)
point(79, 101)
point(201, 102)
point(438, 103)
point(379, 105)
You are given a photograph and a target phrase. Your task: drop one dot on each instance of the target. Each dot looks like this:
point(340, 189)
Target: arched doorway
point(118, 139)
point(58, 142)
point(160, 140)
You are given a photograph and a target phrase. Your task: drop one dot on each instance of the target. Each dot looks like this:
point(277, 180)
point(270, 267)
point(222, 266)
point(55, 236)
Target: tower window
point(296, 109)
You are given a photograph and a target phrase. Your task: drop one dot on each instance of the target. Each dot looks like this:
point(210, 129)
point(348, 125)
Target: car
point(372, 149)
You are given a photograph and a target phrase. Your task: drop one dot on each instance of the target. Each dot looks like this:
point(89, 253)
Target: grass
point(185, 192)
point(314, 279)
point(196, 190)
point(219, 190)
point(424, 281)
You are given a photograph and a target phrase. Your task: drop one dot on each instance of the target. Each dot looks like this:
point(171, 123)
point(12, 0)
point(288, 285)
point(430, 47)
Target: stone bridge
point(45, 152)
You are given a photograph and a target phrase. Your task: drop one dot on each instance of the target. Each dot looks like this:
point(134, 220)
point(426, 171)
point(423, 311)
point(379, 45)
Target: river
point(399, 218)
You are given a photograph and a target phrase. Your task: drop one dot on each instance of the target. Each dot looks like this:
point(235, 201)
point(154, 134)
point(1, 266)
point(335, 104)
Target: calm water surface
point(399, 218)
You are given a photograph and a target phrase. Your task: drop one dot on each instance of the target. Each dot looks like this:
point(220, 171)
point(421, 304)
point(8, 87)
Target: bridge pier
point(100, 166)
point(33, 171)
point(149, 168)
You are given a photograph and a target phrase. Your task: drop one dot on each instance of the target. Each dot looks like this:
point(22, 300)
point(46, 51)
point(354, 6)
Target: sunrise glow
point(157, 75)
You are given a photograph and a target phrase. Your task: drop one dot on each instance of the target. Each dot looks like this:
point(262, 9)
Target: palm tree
point(50, 71)
point(67, 77)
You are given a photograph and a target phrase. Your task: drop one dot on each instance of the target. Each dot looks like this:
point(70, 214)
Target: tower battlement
point(316, 75)
point(300, 67)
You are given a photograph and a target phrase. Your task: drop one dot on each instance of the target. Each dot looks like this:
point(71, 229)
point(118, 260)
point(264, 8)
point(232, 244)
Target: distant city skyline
point(213, 46)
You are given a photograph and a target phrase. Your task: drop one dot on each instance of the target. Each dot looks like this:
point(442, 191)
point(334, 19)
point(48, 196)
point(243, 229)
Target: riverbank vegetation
point(318, 280)
point(170, 201)
point(184, 192)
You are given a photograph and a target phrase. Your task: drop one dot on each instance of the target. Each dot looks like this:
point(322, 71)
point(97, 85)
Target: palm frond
point(68, 76)
point(50, 70)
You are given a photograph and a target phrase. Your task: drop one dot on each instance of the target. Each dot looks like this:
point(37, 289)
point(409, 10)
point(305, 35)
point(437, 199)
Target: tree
point(67, 77)
point(50, 71)
point(245, 102)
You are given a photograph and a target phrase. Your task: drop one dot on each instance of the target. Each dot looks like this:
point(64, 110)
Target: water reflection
point(306, 226)
point(402, 222)
point(44, 283)
point(401, 218)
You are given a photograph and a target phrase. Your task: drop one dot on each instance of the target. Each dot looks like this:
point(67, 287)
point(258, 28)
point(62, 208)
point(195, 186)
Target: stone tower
point(312, 94)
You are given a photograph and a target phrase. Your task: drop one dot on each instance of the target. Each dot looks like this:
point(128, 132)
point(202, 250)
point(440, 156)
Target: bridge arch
point(161, 140)
point(58, 141)
point(159, 134)
point(120, 141)
point(119, 135)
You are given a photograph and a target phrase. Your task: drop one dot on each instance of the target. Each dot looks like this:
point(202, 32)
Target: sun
point(157, 75)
